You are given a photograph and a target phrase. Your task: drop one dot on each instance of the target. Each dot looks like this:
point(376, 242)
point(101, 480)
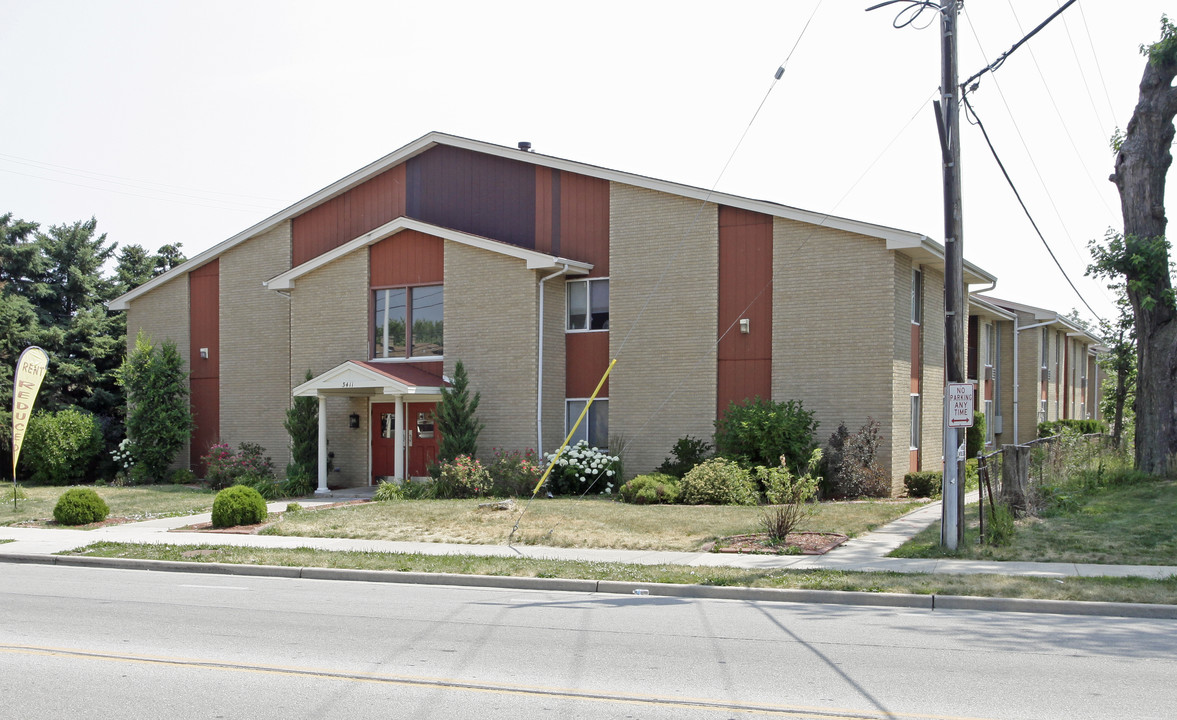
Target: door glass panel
point(388, 425)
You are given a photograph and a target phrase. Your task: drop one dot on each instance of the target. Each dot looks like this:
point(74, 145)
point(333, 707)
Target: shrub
point(1082, 427)
point(652, 489)
point(975, 437)
point(719, 481)
point(462, 477)
point(1000, 528)
point(781, 486)
point(302, 425)
point(226, 466)
point(761, 432)
point(60, 447)
point(419, 490)
point(159, 417)
point(238, 505)
point(297, 483)
point(581, 468)
point(388, 492)
point(456, 423)
point(925, 484)
point(181, 476)
point(80, 506)
point(852, 468)
point(514, 474)
point(293, 508)
point(688, 452)
point(265, 485)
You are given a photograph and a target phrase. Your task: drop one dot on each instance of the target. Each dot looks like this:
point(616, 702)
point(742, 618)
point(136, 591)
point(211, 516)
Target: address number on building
point(960, 405)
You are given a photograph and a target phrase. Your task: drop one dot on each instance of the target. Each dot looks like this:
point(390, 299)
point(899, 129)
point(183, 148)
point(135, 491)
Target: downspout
point(539, 367)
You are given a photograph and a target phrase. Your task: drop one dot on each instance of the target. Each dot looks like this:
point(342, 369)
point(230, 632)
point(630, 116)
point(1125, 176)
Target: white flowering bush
point(581, 468)
point(122, 457)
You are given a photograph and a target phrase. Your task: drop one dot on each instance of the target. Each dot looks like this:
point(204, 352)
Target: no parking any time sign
point(960, 405)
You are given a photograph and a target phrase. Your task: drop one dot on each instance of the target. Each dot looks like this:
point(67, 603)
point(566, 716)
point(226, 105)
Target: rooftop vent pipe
point(525, 146)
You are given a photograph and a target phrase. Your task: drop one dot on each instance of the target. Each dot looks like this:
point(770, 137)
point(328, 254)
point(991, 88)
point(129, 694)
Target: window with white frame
point(588, 304)
point(915, 421)
point(917, 296)
point(988, 422)
point(408, 322)
point(594, 428)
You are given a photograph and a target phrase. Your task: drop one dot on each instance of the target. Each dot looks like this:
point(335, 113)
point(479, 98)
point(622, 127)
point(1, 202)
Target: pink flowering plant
point(226, 466)
point(583, 469)
point(514, 474)
point(462, 477)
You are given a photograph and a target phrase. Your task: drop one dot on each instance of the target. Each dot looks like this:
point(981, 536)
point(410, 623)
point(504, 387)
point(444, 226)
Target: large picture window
point(588, 304)
point(408, 322)
point(595, 426)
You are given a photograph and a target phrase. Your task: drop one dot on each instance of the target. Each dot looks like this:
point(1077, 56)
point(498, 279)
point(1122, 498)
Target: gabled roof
point(1042, 316)
point(357, 377)
point(914, 244)
point(535, 260)
point(989, 308)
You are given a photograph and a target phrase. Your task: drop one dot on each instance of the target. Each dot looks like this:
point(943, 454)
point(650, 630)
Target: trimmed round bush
point(238, 505)
point(652, 489)
point(719, 481)
point(80, 506)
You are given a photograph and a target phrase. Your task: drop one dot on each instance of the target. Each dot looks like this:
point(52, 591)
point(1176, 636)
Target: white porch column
point(322, 490)
point(399, 442)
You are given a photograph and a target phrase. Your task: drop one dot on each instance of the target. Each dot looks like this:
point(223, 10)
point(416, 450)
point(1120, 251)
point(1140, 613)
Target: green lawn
point(589, 523)
point(1134, 524)
point(141, 502)
point(1137, 590)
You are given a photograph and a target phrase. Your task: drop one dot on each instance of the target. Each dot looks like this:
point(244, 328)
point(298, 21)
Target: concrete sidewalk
point(865, 553)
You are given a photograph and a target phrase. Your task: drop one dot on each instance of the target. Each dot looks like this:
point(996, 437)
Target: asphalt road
point(99, 643)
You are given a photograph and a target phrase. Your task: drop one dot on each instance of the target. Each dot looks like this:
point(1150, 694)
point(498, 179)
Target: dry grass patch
point(1136, 590)
point(587, 523)
point(141, 502)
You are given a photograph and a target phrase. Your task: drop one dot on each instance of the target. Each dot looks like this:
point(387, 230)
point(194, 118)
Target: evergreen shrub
point(238, 505)
point(80, 506)
point(719, 481)
point(651, 489)
point(688, 452)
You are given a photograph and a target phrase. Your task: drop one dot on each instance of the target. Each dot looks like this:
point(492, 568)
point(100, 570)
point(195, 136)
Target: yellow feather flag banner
point(30, 371)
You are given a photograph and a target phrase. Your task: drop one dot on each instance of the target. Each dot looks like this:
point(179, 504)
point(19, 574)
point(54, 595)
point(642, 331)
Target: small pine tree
point(159, 419)
point(302, 423)
point(455, 418)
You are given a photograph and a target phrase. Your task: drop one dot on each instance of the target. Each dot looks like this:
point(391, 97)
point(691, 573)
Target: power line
point(1098, 67)
point(1005, 55)
point(1026, 210)
point(1086, 85)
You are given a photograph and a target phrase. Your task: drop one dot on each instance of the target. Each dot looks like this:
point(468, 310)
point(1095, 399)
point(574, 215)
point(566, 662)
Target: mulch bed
point(800, 543)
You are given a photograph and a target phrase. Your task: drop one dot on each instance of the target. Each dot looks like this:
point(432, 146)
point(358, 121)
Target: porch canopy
point(358, 378)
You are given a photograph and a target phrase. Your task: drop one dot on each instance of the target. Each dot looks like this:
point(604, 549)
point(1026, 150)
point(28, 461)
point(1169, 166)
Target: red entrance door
point(420, 440)
point(422, 437)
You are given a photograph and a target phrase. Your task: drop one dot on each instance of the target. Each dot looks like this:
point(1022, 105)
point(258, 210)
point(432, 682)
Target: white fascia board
point(921, 246)
point(990, 308)
point(348, 377)
point(535, 260)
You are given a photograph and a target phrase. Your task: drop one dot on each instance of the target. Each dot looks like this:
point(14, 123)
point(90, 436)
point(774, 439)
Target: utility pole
point(948, 122)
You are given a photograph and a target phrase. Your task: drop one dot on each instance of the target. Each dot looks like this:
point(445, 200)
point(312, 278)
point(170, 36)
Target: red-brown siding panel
point(915, 357)
point(745, 271)
point(349, 215)
point(546, 190)
point(204, 381)
point(586, 358)
point(407, 258)
point(583, 221)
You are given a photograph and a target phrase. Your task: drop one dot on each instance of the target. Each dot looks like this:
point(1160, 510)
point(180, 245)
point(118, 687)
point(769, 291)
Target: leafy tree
point(1141, 253)
point(302, 424)
point(159, 419)
point(456, 422)
point(1119, 363)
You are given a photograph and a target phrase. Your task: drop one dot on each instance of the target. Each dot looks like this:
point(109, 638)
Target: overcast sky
point(189, 122)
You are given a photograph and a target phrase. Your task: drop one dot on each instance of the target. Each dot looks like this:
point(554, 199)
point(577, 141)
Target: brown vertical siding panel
point(407, 258)
point(543, 209)
point(349, 215)
point(745, 271)
point(584, 221)
point(203, 308)
point(585, 360)
point(475, 193)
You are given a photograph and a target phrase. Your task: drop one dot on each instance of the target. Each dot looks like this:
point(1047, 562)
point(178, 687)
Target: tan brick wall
point(932, 384)
point(162, 314)
point(254, 343)
point(491, 302)
point(329, 326)
point(900, 432)
point(670, 353)
point(834, 328)
point(1005, 376)
point(1029, 364)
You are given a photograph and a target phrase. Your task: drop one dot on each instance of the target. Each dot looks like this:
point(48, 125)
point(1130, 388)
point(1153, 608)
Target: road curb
point(613, 587)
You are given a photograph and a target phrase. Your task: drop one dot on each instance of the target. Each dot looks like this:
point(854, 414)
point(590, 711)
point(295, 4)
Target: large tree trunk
point(1141, 166)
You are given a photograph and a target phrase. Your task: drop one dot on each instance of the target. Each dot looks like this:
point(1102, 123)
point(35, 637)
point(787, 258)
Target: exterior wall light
point(744, 329)
point(353, 420)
